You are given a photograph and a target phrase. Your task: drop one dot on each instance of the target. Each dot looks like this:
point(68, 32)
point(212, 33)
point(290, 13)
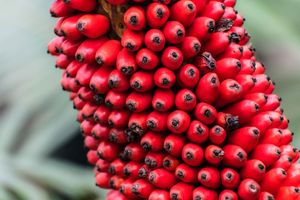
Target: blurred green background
point(41, 153)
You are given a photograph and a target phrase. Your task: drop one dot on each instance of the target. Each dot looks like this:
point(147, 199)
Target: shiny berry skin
point(192, 154)
point(230, 178)
point(248, 189)
point(178, 122)
point(234, 156)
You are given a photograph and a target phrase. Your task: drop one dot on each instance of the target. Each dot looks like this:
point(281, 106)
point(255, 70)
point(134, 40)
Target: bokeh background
point(41, 152)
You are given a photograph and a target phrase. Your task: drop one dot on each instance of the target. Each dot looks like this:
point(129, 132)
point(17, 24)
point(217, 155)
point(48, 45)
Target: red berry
point(164, 78)
point(88, 25)
point(142, 81)
point(157, 15)
point(162, 178)
point(209, 177)
point(192, 154)
point(135, 18)
point(178, 121)
point(248, 189)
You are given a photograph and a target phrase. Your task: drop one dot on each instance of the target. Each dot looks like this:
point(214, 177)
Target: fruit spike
point(172, 102)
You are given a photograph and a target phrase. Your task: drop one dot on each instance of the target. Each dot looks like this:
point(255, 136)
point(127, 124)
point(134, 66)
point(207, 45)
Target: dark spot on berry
point(189, 156)
point(156, 40)
point(159, 13)
point(133, 20)
point(180, 174)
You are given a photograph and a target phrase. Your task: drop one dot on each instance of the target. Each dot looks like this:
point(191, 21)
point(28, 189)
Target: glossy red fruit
point(59, 9)
point(81, 5)
point(102, 179)
point(108, 151)
point(172, 58)
point(233, 51)
point(54, 46)
point(138, 122)
point(152, 141)
point(158, 194)
point(116, 167)
point(190, 47)
point(288, 193)
point(218, 42)
point(246, 137)
point(118, 118)
point(254, 169)
point(174, 144)
point(146, 59)
point(154, 160)
point(185, 100)
point(100, 132)
point(87, 50)
point(273, 180)
point(159, 176)
point(118, 81)
point(234, 156)
point(155, 40)
point(85, 74)
point(184, 11)
point(69, 47)
point(99, 80)
point(126, 62)
point(208, 88)
point(135, 18)
point(125, 188)
point(230, 178)
point(170, 163)
point(57, 26)
point(157, 121)
point(69, 28)
point(248, 189)
point(204, 193)
point(181, 191)
point(201, 28)
point(217, 135)
point(228, 194)
point(163, 100)
point(164, 78)
point(197, 132)
point(178, 121)
point(89, 24)
point(135, 102)
point(174, 32)
point(115, 100)
point(229, 91)
point(205, 113)
point(214, 154)
point(188, 76)
point(267, 153)
point(186, 173)
point(157, 15)
point(107, 54)
point(209, 177)
point(214, 10)
point(132, 40)
point(272, 136)
point(266, 196)
point(192, 154)
point(142, 188)
point(134, 152)
point(142, 81)
point(228, 68)
point(284, 162)
point(62, 61)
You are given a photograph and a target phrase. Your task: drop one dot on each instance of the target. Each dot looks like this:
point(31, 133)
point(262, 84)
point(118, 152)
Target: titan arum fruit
point(172, 102)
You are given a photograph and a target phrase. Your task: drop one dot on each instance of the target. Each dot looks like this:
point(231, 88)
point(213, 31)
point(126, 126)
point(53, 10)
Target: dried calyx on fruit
point(172, 102)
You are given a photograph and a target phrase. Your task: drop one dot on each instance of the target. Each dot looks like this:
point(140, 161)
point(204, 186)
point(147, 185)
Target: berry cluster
point(172, 101)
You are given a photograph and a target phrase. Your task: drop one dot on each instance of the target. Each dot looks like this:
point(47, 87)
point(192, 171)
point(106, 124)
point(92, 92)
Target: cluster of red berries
point(178, 107)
